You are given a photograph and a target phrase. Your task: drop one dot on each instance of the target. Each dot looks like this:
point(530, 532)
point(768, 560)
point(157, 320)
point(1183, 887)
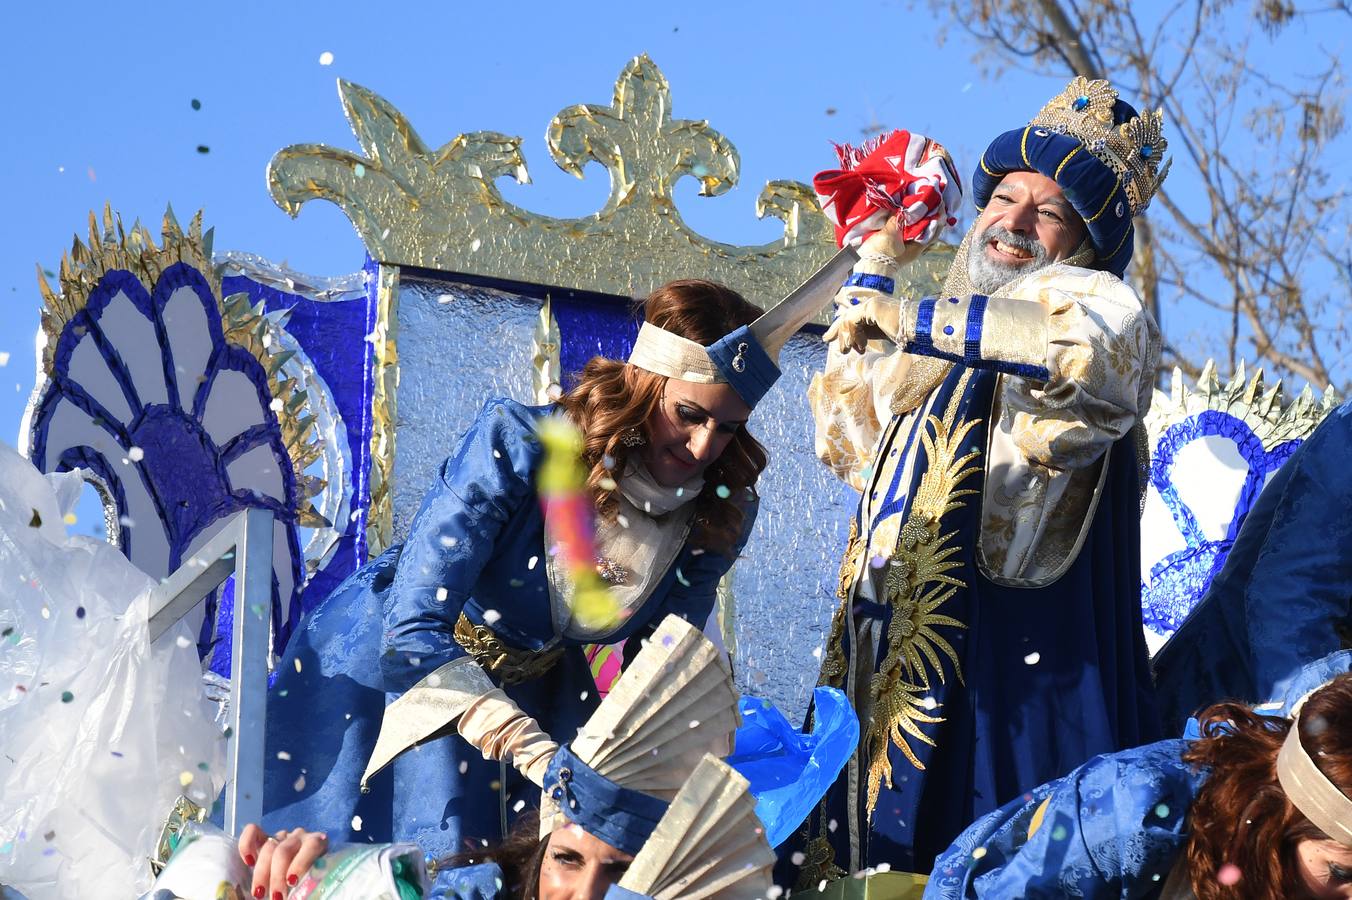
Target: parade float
point(255, 434)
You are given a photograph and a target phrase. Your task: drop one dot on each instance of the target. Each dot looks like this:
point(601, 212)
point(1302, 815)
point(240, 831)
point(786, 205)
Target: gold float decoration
point(441, 209)
point(112, 248)
point(1265, 409)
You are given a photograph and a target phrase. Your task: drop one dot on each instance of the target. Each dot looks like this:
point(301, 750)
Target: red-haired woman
point(467, 627)
point(1255, 807)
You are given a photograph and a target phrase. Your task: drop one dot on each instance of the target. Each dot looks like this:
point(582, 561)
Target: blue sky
point(100, 98)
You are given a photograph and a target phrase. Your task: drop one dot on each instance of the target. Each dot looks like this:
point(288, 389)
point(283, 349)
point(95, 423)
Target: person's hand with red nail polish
point(281, 860)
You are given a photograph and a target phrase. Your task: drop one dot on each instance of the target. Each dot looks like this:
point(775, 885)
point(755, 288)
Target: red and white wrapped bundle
point(902, 174)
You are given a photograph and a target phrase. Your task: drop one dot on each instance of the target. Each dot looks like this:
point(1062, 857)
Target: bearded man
point(989, 628)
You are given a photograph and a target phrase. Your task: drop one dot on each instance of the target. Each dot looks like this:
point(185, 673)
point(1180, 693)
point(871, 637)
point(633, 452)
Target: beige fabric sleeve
point(495, 726)
point(1102, 351)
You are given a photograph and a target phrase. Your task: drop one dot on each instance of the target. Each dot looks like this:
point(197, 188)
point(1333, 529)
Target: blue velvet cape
point(1283, 597)
point(479, 534)
point(1113, 827)
point(1011, 720)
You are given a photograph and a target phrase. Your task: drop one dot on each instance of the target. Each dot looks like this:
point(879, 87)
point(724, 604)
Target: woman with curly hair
point(1255, 806)
point(467, 628)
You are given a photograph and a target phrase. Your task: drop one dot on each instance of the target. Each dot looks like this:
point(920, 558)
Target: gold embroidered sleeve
point(1102, 351)
point(850, 402)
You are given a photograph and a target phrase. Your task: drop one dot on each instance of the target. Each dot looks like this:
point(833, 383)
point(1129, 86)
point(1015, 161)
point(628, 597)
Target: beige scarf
point(635, 549)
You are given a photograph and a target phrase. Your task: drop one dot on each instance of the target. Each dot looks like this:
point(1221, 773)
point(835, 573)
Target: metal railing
point(242, 548)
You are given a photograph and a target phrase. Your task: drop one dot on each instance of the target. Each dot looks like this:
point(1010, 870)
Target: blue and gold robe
point(989, 626)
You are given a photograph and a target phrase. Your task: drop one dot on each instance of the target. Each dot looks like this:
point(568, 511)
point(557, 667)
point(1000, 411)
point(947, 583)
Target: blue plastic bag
point(790, 771)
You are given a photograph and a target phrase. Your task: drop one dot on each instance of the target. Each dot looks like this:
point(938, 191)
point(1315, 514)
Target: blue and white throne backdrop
point(188, 390)
point(1213, 448)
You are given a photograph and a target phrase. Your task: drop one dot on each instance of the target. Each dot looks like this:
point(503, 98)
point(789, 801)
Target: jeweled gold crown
point(1133, 149)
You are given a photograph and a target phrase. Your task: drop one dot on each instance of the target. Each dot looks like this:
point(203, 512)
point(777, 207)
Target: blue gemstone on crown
point(1080, 103)
point(1147, 151)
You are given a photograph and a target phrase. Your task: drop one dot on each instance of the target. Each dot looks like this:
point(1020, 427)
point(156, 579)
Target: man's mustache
point(1019, 241)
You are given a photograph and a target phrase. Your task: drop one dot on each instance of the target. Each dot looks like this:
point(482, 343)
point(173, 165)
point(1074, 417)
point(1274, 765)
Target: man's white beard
point(986, 275)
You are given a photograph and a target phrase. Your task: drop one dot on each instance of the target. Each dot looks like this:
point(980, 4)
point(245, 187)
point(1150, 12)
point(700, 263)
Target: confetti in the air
point(1033, 658)
point(67, 696)
point(356, 823)
point(1229, 875)
point(326, 58)
point(136, 454)
point(196, 104)
point(723, 492)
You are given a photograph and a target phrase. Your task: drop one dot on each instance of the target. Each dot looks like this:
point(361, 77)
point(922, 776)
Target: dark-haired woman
point(467, 630)
point(1255, 806)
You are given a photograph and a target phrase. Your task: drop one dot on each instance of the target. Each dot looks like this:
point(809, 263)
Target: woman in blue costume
point(466, 628)
point(612, 793)
point(1250, 807)
point(1284, 595)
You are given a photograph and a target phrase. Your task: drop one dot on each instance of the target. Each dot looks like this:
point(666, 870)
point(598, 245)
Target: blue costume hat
point(621, 817)
point(746, 359)
point(1104, 155)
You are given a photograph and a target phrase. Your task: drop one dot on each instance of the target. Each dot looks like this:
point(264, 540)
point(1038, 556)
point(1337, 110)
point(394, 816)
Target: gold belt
point(510, 665)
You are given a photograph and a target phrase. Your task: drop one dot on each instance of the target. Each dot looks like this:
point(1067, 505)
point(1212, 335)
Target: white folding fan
point(710, 843)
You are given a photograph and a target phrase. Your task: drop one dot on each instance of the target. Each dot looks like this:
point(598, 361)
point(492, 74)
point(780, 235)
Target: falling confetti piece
point(464, 767)
point(877, 562)
point(797, 859)
point(196, 104)
point(356, 823)
point(90, 173)
point(4, 357)
point(297, 662)
point(79, 612)
point(723, 491)
point(126, 522)
point(359, 170)
point(326, 58)
point(978, 853)
point(491, 616)
point(67, 696)
point(929, 703)
point(1059, 833)
point(680, 576)
point(185, 778)
point(441, 594)
point(1162, 810)
point(69, 518)
point(283, 756)
point(276, 404)
point(300, 783)
point(183, 641)
point(136, 454)
point(36, 521)
point(1229, 874)
point(1033, 658)
point(203, 148)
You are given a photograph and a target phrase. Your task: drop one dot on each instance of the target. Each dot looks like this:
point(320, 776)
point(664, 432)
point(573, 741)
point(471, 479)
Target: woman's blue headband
point(621, 817)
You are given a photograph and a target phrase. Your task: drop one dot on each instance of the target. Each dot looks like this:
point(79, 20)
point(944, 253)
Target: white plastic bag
point(99, 730)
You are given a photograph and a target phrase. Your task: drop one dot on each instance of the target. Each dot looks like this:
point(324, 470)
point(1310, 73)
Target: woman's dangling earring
point(632, 437)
